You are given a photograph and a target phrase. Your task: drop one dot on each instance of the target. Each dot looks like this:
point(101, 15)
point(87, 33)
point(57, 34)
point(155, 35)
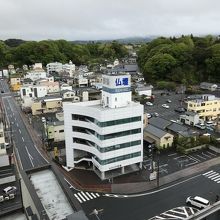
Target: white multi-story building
point(108, 132)
point(35, 91)
point(69, 68)
point(37, 72)
point(54, 67)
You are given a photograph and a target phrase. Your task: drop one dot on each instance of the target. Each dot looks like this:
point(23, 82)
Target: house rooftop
point(160, 123)
point(155, 131)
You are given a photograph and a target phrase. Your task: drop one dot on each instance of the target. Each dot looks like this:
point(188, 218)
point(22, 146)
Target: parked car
point(180, 109)
point(155, 114)
point(169, 101)
point(10, 189)
point(149, 103)
point(197, 201)
point(165, 106)
point(149, 115)
point(200, 126)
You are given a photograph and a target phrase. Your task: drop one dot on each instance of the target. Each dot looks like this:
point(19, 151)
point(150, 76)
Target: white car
point(197, 201)
point(10, 189)
point(165, 106)
point(149, 103)
point(149, 115)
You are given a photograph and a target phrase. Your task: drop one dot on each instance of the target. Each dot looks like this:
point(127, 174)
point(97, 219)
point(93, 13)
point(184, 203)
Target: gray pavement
point(166, 180)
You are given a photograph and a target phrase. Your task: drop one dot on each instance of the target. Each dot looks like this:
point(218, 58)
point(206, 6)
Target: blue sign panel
point(121, 82)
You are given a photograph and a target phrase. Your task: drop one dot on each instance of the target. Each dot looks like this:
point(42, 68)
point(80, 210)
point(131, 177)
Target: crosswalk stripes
point(85, 196)
point(212, 175)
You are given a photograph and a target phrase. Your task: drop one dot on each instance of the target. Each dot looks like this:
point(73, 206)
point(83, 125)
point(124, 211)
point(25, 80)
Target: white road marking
point(17, 125)
point(78, 198)
point(207, 172)
point(210, 174)
point(40, 153)
point(89, 195)
point(81, 197)
point(19, 130)
point(85, 196)
point(217, 177)
point(22, 139)
point(216, 174)
point(30, 157)
point(93, 195)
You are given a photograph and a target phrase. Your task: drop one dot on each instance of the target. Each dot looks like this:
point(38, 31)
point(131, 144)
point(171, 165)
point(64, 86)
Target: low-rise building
point(46, 105)
point(161, 138)
point(207, 107)
point(36, 73)
point(55, 131)
point(15, 83)
point(144, 90)
point(208, 86)
point(190, 118)
point(35, 91)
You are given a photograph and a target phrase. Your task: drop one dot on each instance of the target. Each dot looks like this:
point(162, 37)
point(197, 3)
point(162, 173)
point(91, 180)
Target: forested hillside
point(19, 53)
point(186, 60)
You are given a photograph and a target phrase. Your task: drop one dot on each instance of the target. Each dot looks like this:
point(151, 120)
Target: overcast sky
point(106, 19)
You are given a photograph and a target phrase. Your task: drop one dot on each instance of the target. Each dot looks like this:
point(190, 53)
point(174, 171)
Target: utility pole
point(158, 169)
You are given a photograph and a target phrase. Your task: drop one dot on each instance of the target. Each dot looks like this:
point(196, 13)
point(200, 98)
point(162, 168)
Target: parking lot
point(167, 113)
point(170, 162)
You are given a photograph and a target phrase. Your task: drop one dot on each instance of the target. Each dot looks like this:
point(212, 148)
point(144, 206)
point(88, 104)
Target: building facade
point(207, 107)
point(108, 132)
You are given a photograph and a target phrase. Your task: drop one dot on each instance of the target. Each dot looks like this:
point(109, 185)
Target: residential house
point(65, 86)
point(27, 82)
point(69, 95)
point(144, 90)
point(55, 131)
point(35, 91)
point(15, 83)
point(159, 122)
point(36, 73)
point(46, 104)
point(52, 87)
point(208, 86)
point(190, 118)
point(160, 138)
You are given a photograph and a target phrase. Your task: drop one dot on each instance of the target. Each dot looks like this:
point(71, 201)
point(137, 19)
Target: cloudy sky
point(106, 19)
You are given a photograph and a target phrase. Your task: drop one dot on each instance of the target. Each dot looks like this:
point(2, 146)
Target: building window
point(106, 123)
point(116, 159)
point(61, 131)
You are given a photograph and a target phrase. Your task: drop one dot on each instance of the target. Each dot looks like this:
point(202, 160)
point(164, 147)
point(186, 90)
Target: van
point(197, 201)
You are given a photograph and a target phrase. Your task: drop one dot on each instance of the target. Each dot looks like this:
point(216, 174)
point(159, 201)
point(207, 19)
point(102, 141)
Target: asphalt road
point(144, 206)
point(29, 155)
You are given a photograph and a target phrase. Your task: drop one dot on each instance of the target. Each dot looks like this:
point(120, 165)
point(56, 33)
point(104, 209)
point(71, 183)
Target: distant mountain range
point(131, 40)
point(128, 40)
